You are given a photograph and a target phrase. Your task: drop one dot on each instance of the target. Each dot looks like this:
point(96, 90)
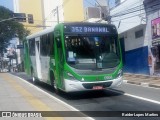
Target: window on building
point(32, 47)
point(139, 33)
point(102, 15)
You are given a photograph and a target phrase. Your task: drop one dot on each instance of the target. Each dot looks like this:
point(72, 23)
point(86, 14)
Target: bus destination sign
point(86, 29)
point(89, 29)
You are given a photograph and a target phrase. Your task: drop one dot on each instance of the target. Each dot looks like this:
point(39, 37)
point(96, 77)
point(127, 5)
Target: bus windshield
point(92, 52)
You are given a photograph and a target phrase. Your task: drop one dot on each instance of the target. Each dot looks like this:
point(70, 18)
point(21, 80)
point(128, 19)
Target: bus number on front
point(77, 29)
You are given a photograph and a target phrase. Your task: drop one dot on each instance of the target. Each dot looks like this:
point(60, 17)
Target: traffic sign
point(20, 47)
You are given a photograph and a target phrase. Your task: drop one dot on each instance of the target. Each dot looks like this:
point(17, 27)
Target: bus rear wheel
point(53, 84)
point(34, 81)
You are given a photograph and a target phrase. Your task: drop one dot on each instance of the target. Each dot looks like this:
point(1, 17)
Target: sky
point(91, 3)
point(7, 3)
point(87, 3)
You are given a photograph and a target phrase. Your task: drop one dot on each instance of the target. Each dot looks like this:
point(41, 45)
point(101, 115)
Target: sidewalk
point(19, 95)
point(143, 80)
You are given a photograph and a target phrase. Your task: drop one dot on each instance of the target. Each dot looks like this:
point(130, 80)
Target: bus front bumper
point(73, 85)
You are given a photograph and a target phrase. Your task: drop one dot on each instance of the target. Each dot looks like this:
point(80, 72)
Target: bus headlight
point(120, 73)
point(70, 76)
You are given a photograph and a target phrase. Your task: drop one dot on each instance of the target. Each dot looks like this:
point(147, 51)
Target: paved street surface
point(17, 95)
point(128, 97)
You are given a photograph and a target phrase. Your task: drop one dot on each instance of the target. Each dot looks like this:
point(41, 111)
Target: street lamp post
point(12, 55)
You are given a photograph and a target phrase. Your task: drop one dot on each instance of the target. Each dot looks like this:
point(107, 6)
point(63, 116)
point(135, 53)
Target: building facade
point(24, 6)
point(62, 11)
point(152, 8)
point(97, 11)
point(47, 13)
point(129, 18)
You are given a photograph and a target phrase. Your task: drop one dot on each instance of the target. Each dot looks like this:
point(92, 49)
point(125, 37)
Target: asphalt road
point(118, 99)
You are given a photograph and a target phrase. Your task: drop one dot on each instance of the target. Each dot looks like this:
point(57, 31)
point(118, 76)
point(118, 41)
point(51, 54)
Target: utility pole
point(16, 55)
point(109, 17)
point(57, 14)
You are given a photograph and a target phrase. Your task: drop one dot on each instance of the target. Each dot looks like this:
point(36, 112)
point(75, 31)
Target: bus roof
point(48, 30)
point(51, 29)
point(88, 23)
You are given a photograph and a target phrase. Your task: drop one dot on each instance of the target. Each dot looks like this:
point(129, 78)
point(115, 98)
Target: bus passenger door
point(38, 61)
point(59, 62)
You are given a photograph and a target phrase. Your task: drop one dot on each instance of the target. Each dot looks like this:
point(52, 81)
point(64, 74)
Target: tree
point(9, 29)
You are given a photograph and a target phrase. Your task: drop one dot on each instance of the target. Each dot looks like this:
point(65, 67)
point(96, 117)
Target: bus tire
point(34, 81)
point(52, 79)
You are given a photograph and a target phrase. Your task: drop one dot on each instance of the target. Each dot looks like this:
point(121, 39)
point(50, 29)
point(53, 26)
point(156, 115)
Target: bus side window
point(48, 45)
point(32, 47)
point(43, 45)
point(51, 43)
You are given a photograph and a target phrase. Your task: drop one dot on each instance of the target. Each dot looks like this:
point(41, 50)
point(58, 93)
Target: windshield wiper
point(97, 69)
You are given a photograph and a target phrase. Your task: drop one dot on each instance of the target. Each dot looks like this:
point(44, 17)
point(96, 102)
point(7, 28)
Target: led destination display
point(90, 29)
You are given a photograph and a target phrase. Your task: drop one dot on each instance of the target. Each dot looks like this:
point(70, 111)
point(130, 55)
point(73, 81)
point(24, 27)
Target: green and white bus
point(75, 56)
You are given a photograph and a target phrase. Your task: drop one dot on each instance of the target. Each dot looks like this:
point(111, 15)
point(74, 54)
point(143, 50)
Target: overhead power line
point(100, 5)
point(127, 17)
point(123, 13)
point(137, 8)
point(153, 10)
point(127, 13)
point(90, 3)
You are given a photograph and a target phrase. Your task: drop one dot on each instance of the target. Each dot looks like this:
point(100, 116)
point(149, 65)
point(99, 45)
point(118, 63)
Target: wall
point(73, 10)
point(124, 21)
point(69, 11)
point(133, 43)
point(152, 8)
point(129, 17)
point(31, 7)
point(136, 51)
point(50, 12)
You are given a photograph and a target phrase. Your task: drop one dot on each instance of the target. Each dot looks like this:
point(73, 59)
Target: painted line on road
point(58, 100)
point(134, 96)
point(145, 99)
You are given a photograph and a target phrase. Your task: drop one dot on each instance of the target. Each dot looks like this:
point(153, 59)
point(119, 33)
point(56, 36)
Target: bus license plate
point(97, 87)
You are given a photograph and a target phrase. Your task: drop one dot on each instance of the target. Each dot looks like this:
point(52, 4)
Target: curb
point(142, 75)
point(143, 84)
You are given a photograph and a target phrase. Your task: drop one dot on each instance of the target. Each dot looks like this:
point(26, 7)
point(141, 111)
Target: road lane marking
point(134, 96)
point(37, 104)
point(145, 99)
point(53, 97)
